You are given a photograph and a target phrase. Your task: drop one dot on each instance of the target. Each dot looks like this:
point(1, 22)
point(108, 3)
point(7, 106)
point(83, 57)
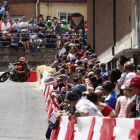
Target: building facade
point(114, 29)
point(63, 8)
point(25, 8)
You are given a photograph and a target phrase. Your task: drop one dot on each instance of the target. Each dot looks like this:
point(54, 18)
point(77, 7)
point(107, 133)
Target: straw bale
point(40, 69)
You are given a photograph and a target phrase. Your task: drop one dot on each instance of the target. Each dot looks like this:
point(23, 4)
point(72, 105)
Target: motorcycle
point(14, 75)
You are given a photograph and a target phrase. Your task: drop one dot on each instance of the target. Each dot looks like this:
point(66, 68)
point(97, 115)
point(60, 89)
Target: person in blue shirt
point(107, 88)
point(102, 67)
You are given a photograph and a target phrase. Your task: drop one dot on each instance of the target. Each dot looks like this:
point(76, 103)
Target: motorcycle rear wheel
point(4, 76)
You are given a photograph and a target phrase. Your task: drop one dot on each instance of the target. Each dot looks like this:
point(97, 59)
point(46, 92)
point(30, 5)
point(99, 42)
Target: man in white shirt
point(5, 25)
point(24, 25)
point(83, 106)
point(62, 49)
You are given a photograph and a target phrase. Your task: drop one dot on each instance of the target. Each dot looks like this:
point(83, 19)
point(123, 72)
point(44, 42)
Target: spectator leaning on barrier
point(135, 86)
point(106, 110)
point(110, 100)
point(48, 25)
point(83, 106)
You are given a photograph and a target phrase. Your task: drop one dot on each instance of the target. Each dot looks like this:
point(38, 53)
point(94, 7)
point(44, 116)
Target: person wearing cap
point(71, 54)
point(55, 65)
point(105, 77)
point(73, 61)
point(63, 59)
point(135, 86)
point(93, 61)
point(32, 26)
point(122, 100)
point(24, 25)
point(83, 106)
point(79, 63)
point(72, 69)
point(62, 49)
point(107, 88)
point(14, 30)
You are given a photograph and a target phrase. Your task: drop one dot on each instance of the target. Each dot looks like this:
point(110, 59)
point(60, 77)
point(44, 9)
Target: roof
point(64, 1)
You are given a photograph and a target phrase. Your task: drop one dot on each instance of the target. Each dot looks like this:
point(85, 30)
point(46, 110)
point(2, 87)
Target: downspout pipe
point(37, 9)
point(94, 26)
point(114, 27)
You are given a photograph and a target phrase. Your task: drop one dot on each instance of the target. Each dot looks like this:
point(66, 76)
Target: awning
point(128, 53)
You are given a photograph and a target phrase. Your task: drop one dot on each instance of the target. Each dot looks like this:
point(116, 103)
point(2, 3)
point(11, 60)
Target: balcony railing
point(64, 1)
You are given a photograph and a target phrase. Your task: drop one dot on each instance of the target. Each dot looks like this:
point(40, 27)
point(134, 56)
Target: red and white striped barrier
point(97, 128)
point(91, 128)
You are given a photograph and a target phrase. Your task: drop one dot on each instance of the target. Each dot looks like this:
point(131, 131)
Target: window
point(65, 14)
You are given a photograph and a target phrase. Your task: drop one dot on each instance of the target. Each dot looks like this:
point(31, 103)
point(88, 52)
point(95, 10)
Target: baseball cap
point(80, 70)
point(61, 44)
point(62, 70)
point(73, 59)
point(94, 55)
point(59, 22)
point(91, 73)
point(68, 64)
point(56, 62)
point(72, 96)
point(93, 60)
point(126, 85)
point(64, 57)
point(72, 66)
point(135, 81)
point(105, 75)
point(85, 60)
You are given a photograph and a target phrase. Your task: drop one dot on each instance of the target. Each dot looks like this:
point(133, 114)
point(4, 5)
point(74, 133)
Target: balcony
point(64, 1)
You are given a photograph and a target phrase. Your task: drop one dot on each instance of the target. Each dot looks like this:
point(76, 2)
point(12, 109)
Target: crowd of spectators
point(39, 33)
point(83, 86)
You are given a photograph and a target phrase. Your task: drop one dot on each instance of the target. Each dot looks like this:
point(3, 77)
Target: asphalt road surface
point(22, 112)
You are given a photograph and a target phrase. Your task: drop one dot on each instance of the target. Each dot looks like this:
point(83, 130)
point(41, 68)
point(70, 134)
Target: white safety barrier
point(91, 128)
point(97, 128)
point(45, 74)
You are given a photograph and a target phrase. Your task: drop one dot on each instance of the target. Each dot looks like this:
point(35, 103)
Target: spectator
point(122, 61)
point(78, 85)
point(102, 67)
point(62, 49)
point(72, 70)
point(32, 26)
point(122, 101)
point(83, 106)
point(129, 69)
point(17, 25)
point(93, 82)
point(24, 40)
point(24, 25)
point(5, 25)
point(14, 43)
point(58, 31)
point(138, 70)
point(71, 54)
point(55, 24)
point(64, 25)
point(135, 86)
point(48, 25)
point(106, 110)
point(10, 21)
point(98, 76)
point(105, 77)
point(110, 100)
point(41, 25)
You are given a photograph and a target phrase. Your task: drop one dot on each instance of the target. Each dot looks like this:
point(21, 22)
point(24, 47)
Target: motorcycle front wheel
point(4, 76)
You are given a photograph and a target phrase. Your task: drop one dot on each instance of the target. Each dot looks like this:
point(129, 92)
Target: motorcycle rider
point(24, 73)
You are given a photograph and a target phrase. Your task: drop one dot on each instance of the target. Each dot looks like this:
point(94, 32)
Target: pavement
point(22, 112)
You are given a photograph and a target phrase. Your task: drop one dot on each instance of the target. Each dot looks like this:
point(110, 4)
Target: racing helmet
point(22, 60)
